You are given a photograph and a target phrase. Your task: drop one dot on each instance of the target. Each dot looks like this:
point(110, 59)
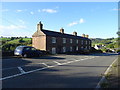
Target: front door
point(53, 50)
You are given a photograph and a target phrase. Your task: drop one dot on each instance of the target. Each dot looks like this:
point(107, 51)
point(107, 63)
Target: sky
point(97, 19)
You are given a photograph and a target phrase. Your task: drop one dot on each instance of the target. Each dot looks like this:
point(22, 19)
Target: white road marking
point(45, 64)
point(21, 70)
point(103, 78)
point(57, 63)
point(82, 59)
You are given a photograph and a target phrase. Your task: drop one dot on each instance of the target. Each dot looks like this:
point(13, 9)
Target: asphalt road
point(59, 71)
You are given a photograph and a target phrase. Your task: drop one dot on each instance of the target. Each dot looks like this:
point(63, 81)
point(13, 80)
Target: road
point(58, 71)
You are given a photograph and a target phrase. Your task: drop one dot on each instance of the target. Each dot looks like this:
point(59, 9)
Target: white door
point(53, 50)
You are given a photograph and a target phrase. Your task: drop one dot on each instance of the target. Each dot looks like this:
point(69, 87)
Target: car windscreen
point(27, 48)
point(19, 48)
point(33, 49)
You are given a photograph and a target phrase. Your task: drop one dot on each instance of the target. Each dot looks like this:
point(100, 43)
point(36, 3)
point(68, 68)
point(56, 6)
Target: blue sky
point(97, 19)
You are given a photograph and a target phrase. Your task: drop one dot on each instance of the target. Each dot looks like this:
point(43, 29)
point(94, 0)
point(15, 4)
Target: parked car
point(27, 51)
point(118, 53)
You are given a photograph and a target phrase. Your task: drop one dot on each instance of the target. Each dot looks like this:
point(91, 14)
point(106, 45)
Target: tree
point(12, 38)
point(25, 36)
point(21, 40)
point(110, 45)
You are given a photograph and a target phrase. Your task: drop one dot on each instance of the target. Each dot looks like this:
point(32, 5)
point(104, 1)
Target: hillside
point(9, 44)
point(109, 43)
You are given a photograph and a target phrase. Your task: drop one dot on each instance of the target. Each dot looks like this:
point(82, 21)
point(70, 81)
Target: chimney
point(75, 33)
point(39, 26)
point(83, 35)
point(62, 30)
point(86, 36)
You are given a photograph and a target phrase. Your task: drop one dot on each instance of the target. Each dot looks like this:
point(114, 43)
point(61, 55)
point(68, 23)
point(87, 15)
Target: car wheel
point(25, 55)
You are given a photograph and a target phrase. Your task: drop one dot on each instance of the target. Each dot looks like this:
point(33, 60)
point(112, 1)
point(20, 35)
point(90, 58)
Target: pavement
point(57, 71)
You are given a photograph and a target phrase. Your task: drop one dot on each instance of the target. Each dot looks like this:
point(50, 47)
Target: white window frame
point(53, 50)
point(71, 40)
point(70, 49)
point(53, 39)
point(82, 47)
point(77, 48)
point(77, 41)
point(64, 49)
point(64, 40)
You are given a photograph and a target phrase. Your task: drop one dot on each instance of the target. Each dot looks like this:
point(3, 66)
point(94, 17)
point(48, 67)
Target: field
point(9, 44)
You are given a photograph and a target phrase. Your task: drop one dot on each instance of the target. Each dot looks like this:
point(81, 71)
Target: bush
point(93, 50)
point(118, 50)
point(21, 40)
point(104, 50)
point(99, 51)
point(108, 50)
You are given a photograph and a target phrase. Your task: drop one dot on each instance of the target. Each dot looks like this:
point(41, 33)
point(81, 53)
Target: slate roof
point(59, 34)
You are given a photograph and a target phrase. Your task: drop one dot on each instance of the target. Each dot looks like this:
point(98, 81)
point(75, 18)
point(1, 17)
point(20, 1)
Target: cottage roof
point(59, 34)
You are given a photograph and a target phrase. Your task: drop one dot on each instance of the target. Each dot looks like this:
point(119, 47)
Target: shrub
point(118, 50)
point(21, 40)
point(93, 50)
point(99, 51)
point(104, 50)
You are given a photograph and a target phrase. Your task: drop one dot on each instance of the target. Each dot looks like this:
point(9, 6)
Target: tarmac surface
point(57, 71)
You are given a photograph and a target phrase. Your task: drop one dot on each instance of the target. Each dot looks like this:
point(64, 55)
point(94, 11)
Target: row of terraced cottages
point(59, 42)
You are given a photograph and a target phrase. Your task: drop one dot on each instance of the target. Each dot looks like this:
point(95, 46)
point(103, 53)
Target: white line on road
point(45, 64)
point(57, 63)
point(103, 78)
point(21, 70)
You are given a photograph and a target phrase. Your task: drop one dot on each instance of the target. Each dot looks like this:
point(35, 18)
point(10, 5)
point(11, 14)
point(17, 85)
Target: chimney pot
point(39, 26)
point(86, 36)
point(75, 33)
point(62, 30)
point(83, 35)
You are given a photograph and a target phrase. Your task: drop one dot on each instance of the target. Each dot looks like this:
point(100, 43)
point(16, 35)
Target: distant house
point(59, 42)
point(99, 46)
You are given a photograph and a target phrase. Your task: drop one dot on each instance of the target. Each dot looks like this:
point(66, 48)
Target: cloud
point(72, 24)
point(32, 13)
point(76, 22)
point(19, 10)
point(49, 10)
point(12, 27)
point(39, 10)
point(11, 30)
point(15, 30)
point(81, 20)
